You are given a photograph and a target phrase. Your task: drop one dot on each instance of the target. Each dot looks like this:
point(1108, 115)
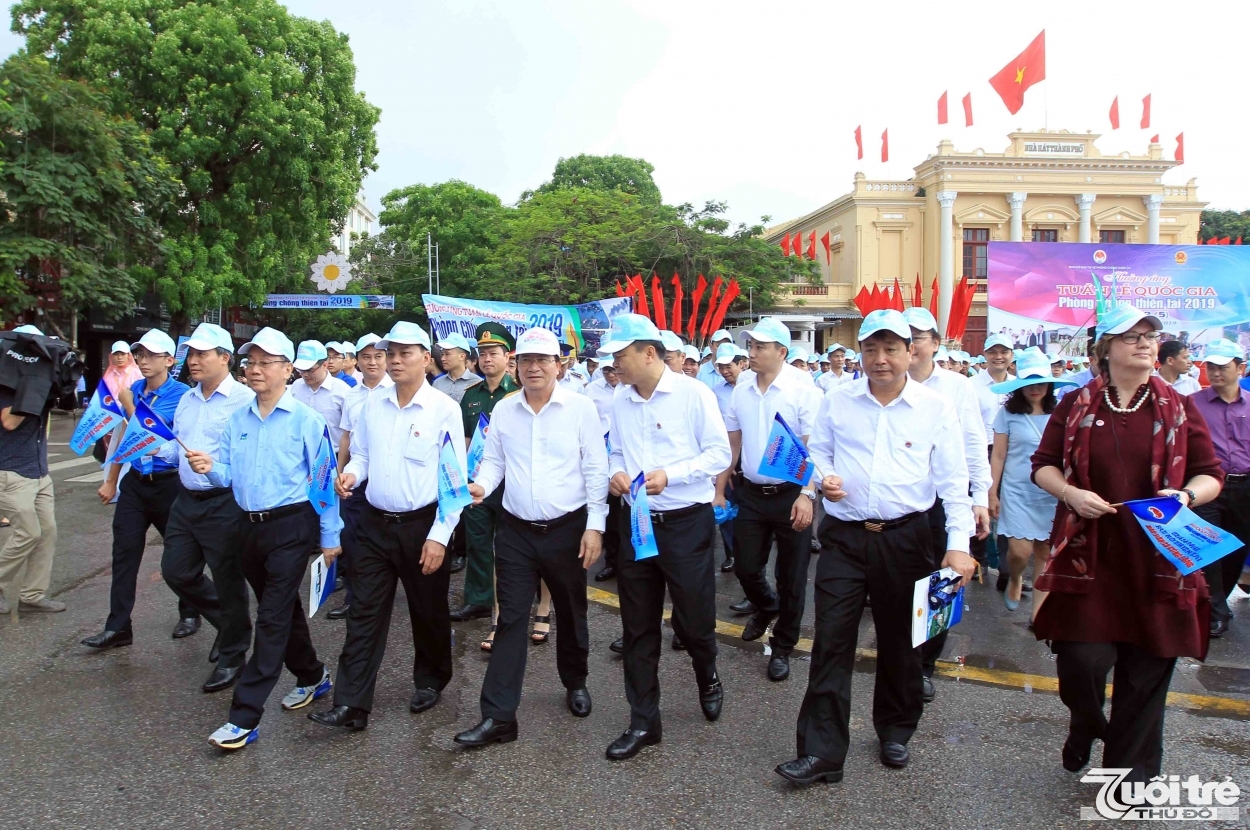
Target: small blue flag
point(1180, 534)
point(607, 441)
point(453, 488)
point(145, 432)
point(321, 481)
point(320, 583)
point(477, 447)
point(103, 413)
point(785, 456)
point(640, 532)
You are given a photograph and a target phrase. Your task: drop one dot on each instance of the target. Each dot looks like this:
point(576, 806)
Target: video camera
point(41, 371)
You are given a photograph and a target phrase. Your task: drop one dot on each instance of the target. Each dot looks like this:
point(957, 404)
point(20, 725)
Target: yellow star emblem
point(1020, 74)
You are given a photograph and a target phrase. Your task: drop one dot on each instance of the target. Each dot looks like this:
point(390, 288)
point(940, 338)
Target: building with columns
point(1046, 186)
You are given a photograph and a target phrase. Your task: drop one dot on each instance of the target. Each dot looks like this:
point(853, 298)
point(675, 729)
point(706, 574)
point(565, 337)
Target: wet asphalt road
point(119, 739)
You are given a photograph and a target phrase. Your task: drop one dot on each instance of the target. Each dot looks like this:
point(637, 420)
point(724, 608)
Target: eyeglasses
point(265, 364)
point(1133, 337)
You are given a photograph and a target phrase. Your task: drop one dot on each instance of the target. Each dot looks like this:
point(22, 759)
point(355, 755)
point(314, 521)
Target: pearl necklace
point(1106, 396)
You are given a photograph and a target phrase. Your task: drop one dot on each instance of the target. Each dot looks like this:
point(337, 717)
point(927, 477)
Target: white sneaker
point(233, 737)
point(301, 696)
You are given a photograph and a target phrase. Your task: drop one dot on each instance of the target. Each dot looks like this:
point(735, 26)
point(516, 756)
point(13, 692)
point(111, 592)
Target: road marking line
point(73, 462)
point(1209, 704)
point(89, 478)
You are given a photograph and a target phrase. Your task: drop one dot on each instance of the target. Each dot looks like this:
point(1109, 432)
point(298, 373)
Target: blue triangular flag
point(145, 432)
point(477, 447)
point(1180, 534)
point(641, 534)
point(453, 487)
point(785, 457)
point(325, 470)
point(102, 414)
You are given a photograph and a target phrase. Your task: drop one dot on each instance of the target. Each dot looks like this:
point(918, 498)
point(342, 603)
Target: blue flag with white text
point(453, 485)
point(145, 432)
point(103, 413)
point(477, 447)
point(1177, 532)
point(641, 534)
point(325, 470)
point(785, 456)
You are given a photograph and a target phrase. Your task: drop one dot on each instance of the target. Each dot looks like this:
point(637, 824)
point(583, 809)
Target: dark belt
point(882, 525)
point(261, 516)
point(398, 518)
point(1235, 477)
point(153, 476)
point(205, 495)
point(770, 489)
point(546, 525)
point(662, 516)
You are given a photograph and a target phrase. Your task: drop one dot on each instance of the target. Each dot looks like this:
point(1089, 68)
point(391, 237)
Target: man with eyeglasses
point(336, 362)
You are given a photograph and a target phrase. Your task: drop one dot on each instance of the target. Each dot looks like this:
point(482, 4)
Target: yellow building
point(1047, 186)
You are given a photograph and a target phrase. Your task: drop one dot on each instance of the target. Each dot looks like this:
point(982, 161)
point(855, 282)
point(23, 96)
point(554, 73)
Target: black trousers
point(855, 562)
point(612, 532)
point(275, 556)
point(685, 565)
point(208, 531)
point(931, 650)
point(524, 555)
point(141, 504)
point(763, 517)
point(350, 510)
point(1133, 737)
point(390, 553)
point(1230, 511)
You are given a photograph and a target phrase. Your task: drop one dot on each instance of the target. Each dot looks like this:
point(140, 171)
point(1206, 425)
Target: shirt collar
point(286, 402)
point(911, 389)
point(667, 381)
point(421, 398)
point(226, 388)
point(1209, 395)
point(140, 387)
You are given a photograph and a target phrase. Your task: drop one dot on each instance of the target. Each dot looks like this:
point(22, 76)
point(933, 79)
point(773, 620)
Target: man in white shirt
point(402, 535)
point(710, 372)
point(318, 389)
point(1174, 366)
point(674, 351)
point(546, 442)
point(770, 508)
point(731, 363)
point(666, 430)
point(837, 373)
point(888, 447)
point(601, 391)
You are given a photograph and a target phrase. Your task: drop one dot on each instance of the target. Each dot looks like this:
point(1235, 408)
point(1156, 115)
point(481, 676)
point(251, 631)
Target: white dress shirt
point(327, 399)
point(751, 412)
point(894, 459)
point(355, 400)
point(678, 430)
point(829, 380)
point(554, 460)
point(200, 423)
point(962, 395)
point(601, 395)
point(988, 402)
point(397, 450)
point(1185, 384)
point(724, 393)
point(573, 381)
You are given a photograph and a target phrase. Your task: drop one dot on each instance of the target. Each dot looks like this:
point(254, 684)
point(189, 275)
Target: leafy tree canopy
point(619, 173)
point(1224, 223)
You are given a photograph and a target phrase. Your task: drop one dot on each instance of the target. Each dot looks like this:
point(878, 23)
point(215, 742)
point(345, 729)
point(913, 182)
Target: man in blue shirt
point(147, 493)
point(336, 363)
point(267, 456)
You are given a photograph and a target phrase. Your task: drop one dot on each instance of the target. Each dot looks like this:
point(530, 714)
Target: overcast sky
point(756, 103)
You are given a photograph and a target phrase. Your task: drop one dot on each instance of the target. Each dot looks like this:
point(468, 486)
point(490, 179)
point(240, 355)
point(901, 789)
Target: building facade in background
point(359, 223)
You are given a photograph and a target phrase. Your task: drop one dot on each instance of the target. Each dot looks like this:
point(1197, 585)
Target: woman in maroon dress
point(1115, 601)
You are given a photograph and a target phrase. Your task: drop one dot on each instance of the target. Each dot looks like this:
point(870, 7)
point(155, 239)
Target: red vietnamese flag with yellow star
point(1028, 68)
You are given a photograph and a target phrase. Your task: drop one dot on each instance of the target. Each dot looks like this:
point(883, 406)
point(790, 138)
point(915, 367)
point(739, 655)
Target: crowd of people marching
point(925, 458)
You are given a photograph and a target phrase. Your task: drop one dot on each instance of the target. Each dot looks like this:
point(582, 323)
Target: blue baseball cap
point(335, 345)
point(707, 352)
point(1222, 352)
point(771, 330)
point(997, 340)
point(721, 334)
point(156, 342)
point(884, 319)
point(272, 342)
point(920, 319)
point(455, 340)
point(629, 328)
point(813, 358)
point(1122, 318)
point(366, 341)
point(691, 353)
point(727, 353)
point(1032, 366)
point(29, 329)
point(404, 333)
point(942, 354)
point(309, 354)
point(209, 336)
point(836, 347)
point(670, 341)
point(796, 353)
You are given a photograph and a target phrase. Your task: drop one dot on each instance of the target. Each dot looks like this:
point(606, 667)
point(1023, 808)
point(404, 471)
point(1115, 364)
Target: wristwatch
point(1193, 497)
point(811, 494)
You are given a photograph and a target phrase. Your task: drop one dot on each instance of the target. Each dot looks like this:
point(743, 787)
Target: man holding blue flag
point(771, 508)
point(267, 457)
point(148, 491)
point(402, 536)
point(103, 413)
point(668, 428)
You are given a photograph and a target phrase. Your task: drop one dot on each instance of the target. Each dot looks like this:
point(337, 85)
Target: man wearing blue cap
point(456, 377)
point(667, 429)
point(267, 457)
point(146, 494)
point(336, 362)
point(888, 447)
point(710, 372)
point(204, 522)
point(318, 389)
point(837, 373)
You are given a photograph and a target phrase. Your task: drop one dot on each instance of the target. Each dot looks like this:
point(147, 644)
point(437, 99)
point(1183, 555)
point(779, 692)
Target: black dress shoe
point(743, 607)
point(757, 626)
point(928, 691)
point(468, 611)
point(457, 564)
point(678, 645)
point(578, 701)
point(617, 646)
point(1218, 628)
point(605, 574)
point(214, 653)
point(489, 731)
point(1076, 750)
point(186, 627)
point(779, 667)
point(631, 741)
point(222, 678)
point(339, 613)
point(894, 754)
point(728, 565)
point(348, 717)
point(423, 699)
point(110, 639)
point(710, 699)
point(809, 769)
point(339, 584)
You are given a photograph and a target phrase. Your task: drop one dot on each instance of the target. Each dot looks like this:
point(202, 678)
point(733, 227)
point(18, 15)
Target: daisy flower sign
point(331, 272)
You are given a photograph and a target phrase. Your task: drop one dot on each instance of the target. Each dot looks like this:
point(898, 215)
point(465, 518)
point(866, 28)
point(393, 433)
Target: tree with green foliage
point(255, 109)
point(1224, 224)
point(603, 173)
point(79, 189)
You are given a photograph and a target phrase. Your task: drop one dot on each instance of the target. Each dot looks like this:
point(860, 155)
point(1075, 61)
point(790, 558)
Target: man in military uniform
point(494, 345)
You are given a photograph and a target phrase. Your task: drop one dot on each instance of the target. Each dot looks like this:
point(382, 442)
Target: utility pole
point(429, 263)
point(438, 276)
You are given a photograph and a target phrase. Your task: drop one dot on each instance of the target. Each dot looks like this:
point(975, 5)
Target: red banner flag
point(896, 302)
point(706, 328)
point(876, 299)
point(1145, 113)
point(1238, 242)
point(640, 292)
point(731, 294)
point(917, 293)
point(824, 240)
point(885, 145)
point(1028, 68)
point(811, 247)
point(861, 300)
point(1154, 139)
point(1226, 241)
point(1180, 148)
point(785, 244)
point(1114, 115)
point(620, 292)
point(677, 298)
point(942, 108)
point(968, 110)
point(699, 288)
point(657, 302)
point(934, 306)
point(859, 143)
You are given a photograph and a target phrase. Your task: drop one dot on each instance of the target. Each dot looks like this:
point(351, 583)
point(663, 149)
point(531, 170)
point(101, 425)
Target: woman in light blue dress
point(1024, 511)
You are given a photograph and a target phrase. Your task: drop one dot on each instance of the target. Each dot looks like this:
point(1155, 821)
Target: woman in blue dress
point(1024, 511)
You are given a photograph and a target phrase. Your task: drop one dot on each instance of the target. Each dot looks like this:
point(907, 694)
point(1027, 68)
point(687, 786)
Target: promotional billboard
point(578, 325)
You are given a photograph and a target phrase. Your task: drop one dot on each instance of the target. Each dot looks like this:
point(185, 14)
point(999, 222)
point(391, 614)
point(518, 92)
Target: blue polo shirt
point(164, 402)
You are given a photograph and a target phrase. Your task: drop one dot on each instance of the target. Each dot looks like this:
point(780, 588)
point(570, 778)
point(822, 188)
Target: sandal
point(488, 645)
point(540, 637)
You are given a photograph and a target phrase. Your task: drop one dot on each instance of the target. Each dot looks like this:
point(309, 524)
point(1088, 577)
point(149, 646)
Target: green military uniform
point(480, 522)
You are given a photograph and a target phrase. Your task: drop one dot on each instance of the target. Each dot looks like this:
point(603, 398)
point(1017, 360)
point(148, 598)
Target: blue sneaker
point(301, 696)
point(233, 737)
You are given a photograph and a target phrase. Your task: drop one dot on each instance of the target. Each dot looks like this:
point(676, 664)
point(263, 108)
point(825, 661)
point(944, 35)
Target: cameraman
point(26, 498)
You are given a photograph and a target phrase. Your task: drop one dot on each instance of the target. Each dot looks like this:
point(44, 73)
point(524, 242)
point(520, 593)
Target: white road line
point(73, 462)
point(90, 478)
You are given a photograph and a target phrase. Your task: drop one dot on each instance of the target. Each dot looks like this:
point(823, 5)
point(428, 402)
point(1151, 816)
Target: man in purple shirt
point(1227, 413)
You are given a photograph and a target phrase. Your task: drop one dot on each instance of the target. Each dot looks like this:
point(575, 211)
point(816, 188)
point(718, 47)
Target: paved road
point(118, 739)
